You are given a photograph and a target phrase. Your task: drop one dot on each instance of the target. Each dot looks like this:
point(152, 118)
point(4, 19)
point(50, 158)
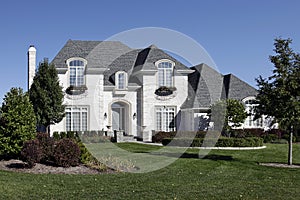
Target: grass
point(221, 175)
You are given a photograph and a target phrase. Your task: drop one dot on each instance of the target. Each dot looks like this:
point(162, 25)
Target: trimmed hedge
point(270, 136)
point(221, 142)
point(159, 136)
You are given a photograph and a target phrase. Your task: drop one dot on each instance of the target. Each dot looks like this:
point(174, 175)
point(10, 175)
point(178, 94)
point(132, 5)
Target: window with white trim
point(121, 80)
point(250, 122)
point(165, 118)
point(165, 73)
point(76, 68)
point(76, 118)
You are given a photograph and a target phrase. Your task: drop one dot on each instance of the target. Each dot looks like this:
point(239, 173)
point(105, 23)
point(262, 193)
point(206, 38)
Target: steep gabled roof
point(205, 87)
point(123, 63)
point(235, 88)
point(147, 57)
point(113, 56)
point(97, 53)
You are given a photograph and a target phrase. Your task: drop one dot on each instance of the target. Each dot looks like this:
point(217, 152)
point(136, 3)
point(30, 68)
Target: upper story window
point(165, 73)
point(77, 68)
point(121, 80)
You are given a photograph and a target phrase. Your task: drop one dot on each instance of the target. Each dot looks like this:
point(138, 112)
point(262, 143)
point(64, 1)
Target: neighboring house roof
point(206, 86)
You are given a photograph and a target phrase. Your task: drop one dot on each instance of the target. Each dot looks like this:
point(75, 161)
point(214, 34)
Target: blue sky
point(238, 34)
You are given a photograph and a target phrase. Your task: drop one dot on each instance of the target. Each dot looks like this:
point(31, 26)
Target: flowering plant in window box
point(76, 90)
point(165, 91)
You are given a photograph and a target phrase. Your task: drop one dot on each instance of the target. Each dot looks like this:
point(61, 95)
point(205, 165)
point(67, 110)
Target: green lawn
point(221, 175)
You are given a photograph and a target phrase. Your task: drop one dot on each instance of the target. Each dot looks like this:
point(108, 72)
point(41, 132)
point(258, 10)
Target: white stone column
point(31, 64)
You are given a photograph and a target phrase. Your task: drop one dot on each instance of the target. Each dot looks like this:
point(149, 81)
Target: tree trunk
point(290, 156)
point(48, 129)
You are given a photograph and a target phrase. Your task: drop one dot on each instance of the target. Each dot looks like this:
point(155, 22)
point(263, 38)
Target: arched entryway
point(120, 117)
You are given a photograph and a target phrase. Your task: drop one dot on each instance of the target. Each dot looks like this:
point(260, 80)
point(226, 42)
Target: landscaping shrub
point(85, 156)
point(277, 132)
point(221, 142)
point(159, 136)
point(56, 135)
point(32, 152)
point(17, 122)
point(62, 135)
point(242, 133)
point(269, 138)
point(66, 153)
point(47, 146)
point(71, 134)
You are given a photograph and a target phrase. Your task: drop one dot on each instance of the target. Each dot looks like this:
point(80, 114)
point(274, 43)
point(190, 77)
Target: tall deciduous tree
point(279, 94)
point(18, 122)
point(46, 96)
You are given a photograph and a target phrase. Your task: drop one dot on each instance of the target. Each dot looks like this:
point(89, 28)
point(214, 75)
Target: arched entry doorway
point(120, 116)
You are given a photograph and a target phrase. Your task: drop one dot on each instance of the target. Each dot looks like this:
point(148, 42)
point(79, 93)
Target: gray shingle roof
point(97, 53)
point(113, 56)
point(123, 63)
point(147, 57)
point(235, 88)
point(206, 86)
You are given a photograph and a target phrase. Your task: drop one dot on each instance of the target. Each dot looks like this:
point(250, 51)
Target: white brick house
point(109, 86)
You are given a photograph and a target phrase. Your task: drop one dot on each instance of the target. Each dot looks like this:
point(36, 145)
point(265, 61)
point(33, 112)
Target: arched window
point(165, 73)
point(121, 80)
point(76, 68)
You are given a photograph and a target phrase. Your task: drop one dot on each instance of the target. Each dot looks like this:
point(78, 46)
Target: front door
point(119, 116)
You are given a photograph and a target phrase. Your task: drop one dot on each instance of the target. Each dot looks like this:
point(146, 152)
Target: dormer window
point(76, 68)
point(165, 73)
point(121, 80)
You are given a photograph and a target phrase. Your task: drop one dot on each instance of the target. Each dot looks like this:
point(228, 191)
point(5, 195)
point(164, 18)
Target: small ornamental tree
point(18, 123)
point(279, 94)
point(236, 113)
point(231, 112)
point(47, 96)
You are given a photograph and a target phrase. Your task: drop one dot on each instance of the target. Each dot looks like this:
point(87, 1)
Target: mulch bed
point(20, 166)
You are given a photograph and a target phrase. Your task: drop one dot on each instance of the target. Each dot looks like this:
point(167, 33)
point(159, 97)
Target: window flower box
point(165, 91)
point(76, 90)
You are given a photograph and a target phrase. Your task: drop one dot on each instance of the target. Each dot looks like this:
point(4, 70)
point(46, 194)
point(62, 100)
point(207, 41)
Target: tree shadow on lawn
point(213, 157)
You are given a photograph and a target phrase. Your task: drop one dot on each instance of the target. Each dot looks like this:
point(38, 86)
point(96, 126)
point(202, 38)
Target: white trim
point(84, 68)
point(81, 107)
point(128, 111)
point(165, 60)
point(76, 58)
point(165, 77)
point(167, 120)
